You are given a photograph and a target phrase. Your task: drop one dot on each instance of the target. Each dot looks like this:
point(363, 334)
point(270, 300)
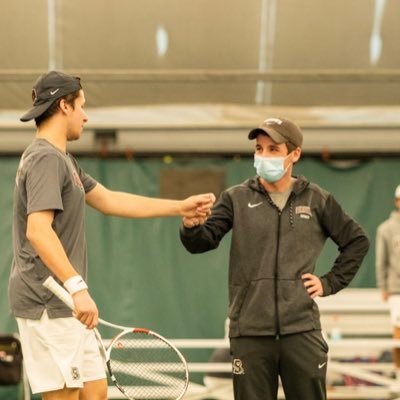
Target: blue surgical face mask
point(270, 169)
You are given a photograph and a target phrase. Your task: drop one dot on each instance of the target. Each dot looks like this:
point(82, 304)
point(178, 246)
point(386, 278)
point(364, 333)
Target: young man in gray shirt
point(61, 356)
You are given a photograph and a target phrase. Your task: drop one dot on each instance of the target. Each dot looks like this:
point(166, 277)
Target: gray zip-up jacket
point(388, 254)
point(270, 251)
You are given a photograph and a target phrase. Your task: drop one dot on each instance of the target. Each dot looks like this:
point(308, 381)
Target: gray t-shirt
point(47, 179)
point(280, 198)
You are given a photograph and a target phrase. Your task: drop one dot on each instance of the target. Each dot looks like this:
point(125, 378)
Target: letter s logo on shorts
point(237, 367)
point(75, 373)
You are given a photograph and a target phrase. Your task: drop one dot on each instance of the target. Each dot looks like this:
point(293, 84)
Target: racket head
point(145, 365)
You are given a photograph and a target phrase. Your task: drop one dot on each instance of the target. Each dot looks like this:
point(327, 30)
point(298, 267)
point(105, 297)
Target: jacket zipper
point(278, 329)
point(277, 321)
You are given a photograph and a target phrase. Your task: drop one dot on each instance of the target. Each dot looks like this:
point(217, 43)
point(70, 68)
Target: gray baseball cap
point(47, 89)
point(280, 130)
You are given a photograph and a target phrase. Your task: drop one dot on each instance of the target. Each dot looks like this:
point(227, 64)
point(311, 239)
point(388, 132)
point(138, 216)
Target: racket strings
point(146, 367)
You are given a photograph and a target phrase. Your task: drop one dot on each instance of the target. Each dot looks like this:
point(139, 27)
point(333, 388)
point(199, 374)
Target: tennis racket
point(141, 363)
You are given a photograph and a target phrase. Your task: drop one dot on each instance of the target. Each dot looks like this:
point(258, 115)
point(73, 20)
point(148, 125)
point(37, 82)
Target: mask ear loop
point(286, 169)
point(291, 162)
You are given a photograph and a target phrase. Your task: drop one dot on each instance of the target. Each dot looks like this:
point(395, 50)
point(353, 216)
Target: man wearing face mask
point(279, 226)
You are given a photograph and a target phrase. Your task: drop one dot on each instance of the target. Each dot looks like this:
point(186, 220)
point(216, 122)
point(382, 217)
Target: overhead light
point(161, 41)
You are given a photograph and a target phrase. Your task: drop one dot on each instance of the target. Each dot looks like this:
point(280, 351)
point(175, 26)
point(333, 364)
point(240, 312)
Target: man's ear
point(296, 154)
point(64, 106)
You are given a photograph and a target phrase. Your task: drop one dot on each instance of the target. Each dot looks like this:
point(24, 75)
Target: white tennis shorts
point(59, 352)
point(394, 305)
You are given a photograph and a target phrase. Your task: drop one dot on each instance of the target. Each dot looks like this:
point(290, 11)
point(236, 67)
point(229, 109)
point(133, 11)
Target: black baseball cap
point(47, 89)
point(280, 130)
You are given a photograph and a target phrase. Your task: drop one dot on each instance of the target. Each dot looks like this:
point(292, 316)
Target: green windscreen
point(139, 271)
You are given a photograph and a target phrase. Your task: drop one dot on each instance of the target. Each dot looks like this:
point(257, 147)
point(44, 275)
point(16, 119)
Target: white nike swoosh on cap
point(254, 205)
point(321, 365)
point(53, 92)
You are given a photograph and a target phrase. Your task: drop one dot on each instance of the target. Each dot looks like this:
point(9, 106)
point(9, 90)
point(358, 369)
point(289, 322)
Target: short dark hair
point(69, 98)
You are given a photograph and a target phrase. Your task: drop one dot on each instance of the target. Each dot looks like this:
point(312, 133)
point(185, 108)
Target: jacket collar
point(300, 184)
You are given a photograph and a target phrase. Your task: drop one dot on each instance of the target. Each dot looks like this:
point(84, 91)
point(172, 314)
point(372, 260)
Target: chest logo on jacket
point(303, 212)
point(253, 205)
point(396, 243)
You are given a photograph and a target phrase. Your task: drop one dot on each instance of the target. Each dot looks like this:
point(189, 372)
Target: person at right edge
point(279, 226)
point(388, 274)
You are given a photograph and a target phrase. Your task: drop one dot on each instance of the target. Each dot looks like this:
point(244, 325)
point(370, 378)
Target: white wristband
point(75, 284)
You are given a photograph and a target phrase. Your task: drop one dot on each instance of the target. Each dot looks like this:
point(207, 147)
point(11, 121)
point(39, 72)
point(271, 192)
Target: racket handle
point(51, 284)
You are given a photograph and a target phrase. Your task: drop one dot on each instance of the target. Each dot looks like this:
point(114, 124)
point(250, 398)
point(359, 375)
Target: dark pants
point(299, 359)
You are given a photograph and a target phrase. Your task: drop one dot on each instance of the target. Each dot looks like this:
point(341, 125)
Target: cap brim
point(275, 136)
point(35, 112)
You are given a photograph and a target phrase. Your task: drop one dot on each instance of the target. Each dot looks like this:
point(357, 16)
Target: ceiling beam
point(221, 75)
